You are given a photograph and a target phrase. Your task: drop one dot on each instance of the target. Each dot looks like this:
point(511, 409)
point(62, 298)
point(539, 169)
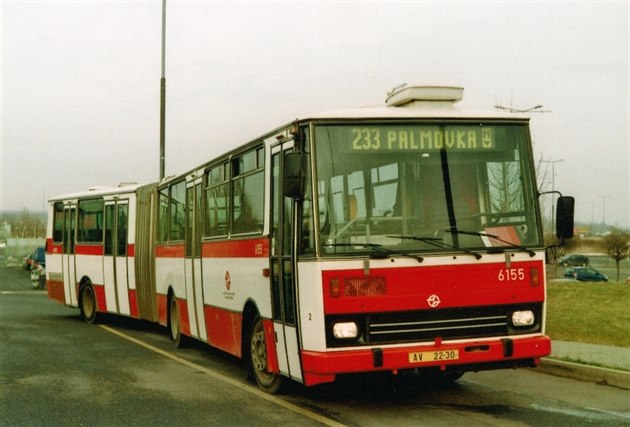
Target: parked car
point(574, 260)
point(585, 274)
point(39, 257)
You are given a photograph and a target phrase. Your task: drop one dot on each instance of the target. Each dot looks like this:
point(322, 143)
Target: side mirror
point(564, 217)
point(294, 172)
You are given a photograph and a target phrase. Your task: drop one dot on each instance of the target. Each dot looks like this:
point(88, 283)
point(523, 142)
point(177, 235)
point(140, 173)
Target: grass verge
point(596, 313)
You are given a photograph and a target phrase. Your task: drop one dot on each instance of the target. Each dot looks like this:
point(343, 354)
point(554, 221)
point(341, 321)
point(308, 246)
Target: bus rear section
point(97, 251)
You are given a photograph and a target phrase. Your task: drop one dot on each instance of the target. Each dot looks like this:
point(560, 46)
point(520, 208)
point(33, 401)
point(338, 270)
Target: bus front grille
point(427, 325)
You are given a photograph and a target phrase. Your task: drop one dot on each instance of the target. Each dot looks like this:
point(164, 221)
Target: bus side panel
point(233, 274)
point(170, 275)
point(133, 303)
point(54, 273)
point(312, 329)
point(130, 295)
point(89, 265)
point(226, 329)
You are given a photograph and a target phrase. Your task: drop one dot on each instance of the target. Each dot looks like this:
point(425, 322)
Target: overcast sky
point(81, 80)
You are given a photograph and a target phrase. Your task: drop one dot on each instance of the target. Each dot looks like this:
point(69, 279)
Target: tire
point(89, 309)
point(267, 381)
point(174, 323)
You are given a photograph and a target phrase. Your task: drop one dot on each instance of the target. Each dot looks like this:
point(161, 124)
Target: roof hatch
point(420, 96)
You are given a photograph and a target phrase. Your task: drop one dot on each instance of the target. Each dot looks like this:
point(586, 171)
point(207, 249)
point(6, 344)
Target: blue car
point(585, 274)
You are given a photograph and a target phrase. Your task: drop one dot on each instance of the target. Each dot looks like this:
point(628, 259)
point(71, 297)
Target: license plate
point(433, 356)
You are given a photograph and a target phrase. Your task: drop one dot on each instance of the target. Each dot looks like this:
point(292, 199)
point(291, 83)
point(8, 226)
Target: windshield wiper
point(379, 248)
point(492, 236)
point(436, 241)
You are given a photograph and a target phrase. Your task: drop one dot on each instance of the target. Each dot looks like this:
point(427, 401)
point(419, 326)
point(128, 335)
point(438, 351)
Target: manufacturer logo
point(433, 301)
point(228, 281)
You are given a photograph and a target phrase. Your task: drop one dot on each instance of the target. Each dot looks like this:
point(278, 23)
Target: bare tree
point(617, 246)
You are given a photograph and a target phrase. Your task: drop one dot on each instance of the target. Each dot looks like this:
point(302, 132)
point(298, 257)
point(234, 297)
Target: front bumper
point(322, 367)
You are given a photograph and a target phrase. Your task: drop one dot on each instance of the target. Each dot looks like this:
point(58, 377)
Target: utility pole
point(163, 95)
point(553, 187)
point(603, 208)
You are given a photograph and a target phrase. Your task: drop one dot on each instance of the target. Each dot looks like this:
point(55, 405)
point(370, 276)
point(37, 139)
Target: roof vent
point(126, 184)
point(416, 95)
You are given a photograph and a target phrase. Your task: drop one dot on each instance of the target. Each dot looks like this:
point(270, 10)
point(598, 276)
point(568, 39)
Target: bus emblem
point(433, 301)
point(228, 282)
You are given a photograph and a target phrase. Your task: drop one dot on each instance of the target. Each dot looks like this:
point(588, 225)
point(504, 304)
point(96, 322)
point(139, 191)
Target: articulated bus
point(394, 238)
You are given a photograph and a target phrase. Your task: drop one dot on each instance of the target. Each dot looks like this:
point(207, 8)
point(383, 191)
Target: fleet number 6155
point(511, 274)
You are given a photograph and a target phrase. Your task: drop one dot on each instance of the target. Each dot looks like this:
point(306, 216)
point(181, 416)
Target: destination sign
point(421, 138)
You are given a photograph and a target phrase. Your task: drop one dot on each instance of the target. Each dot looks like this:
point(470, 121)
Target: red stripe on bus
point(101, 301)
point(55, 248)
point(88, 250)
point(162, 309)
point(133, 303)
point(184, 319)
point(245, 248)
point(55, 290)
point(131, 250)
point(224, 329)
point(170, 251)
point(49, 246)
point(270, 340)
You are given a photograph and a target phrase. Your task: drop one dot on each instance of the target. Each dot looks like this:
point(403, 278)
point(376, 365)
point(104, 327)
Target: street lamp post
point(163, 95)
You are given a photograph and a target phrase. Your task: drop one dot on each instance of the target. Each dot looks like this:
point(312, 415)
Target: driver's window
point(385, 187)
point(504, 187)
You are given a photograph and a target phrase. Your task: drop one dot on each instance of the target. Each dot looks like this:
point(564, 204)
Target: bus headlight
point(345, 330)
point(523, 318)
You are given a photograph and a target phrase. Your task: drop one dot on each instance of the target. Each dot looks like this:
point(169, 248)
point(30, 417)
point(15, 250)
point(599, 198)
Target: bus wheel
point(88, 304)
point(174, 323)
point(266, 380)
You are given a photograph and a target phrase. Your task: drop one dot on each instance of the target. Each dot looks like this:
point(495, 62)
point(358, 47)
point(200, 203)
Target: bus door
point(282, 272)
point(67, 257)
point(115, 261)
point(194, 281)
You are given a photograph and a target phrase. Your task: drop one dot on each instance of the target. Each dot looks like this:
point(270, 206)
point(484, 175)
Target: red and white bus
point(407, 236)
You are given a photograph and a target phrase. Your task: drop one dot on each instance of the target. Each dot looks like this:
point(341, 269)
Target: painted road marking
point(246, 388)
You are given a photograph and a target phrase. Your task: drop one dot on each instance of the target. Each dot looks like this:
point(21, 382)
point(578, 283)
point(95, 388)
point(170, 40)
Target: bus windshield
point(434, 187)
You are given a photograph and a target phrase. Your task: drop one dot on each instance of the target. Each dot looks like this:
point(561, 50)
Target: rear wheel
point(174, 323)
point(88, 304)
point(266, 380)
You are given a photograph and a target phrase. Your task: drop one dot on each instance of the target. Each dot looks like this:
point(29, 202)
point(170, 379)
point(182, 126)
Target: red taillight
point(534, 279)
point(335, 289)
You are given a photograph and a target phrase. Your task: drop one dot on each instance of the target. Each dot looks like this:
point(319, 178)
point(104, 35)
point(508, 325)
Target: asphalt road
point(56, 370)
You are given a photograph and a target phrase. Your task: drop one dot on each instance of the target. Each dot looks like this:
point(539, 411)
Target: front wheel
point(88, 304)
point(267, 381)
